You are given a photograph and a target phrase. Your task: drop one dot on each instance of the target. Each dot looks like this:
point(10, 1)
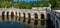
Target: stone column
point(26, 18)
point(39, 18)
point(32, 19)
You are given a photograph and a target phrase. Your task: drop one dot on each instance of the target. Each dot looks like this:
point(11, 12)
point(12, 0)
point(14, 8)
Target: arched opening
point(16, 16)
point(36, 16)
point(36, 19)
point(24, 17)
point(3, 14)
point(19, 16)
point(7, 14)
point(12, 15)
point(42, 20)
point(29, 18)
point(29, 15)
point(42, 16)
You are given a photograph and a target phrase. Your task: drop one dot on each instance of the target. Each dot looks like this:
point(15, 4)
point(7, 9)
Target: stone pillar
point(10, 16)
point(39, 18)
point(5, 15)
point(26, 18)
point(14, 16)
point(32, 19)
point(17, 15)
point(21, 17)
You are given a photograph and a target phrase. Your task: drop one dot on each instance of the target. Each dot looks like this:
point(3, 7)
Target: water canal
point(14, 21)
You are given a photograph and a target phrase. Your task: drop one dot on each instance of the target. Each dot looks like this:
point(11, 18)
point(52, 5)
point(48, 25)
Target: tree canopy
point(29, 5)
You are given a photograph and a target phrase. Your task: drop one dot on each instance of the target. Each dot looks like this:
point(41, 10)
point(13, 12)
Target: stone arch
point(36, 15)
point(29, 18)
point(3, 15)
point(42, 16)
point(42, 21)
point(36, 19)
point(12, 14)
point(24, 17)
point(19, 16)
point(29, 15)
point(15, 15)
point(7, 14)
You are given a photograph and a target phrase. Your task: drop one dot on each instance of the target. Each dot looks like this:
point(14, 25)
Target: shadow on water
point(49, 22)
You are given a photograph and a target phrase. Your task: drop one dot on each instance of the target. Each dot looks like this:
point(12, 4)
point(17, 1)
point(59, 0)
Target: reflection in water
point(14, 25)
point(36, 19)
point(16, 16)
point(29, 18)
point(3, 14)
point(24, 18)
point(7, 15)
point(12, 15)
point(19, 16)
point(18, 25)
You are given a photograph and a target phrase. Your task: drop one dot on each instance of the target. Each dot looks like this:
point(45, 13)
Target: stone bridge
point(28, 16)
point(43, 17)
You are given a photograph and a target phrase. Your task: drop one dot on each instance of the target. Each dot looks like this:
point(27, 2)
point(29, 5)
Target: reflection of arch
point(16, 16)
point(29, 15)
point(7, 14)
point(36, 15)
point(3, 13)
point(42, 22)
point(24, 18)
point(42, 16)
point(12, 14)
point(36, 19)
point(19, 16)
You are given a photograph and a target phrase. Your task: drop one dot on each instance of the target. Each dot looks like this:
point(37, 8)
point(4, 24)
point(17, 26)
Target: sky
point(26, 0)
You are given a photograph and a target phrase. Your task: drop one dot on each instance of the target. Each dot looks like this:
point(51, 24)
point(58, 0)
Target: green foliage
point(55, 3)
point(5, 4)
point(23, 5)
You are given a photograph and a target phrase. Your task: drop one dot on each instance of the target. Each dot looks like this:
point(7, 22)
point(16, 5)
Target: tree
point(6, 3)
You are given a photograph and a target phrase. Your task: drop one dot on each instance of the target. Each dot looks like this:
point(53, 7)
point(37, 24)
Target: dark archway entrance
point(7, 15)
point(12, 15)
point(36, 19)
point(16, 16)
point(24, 18)
point(19, 16)
point(29, 18)
point(42, 20)
point(42, 16)
point(3, 15)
